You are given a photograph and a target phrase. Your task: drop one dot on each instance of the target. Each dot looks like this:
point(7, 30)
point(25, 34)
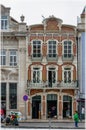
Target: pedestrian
point(76, 118)
point(8, 120)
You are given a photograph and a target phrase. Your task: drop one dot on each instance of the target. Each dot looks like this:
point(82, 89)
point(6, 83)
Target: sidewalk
point(54, 124)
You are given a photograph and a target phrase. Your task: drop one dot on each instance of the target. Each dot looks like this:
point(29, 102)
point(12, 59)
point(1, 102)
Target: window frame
point(52, 48)
point(56, 72)
point(34, 55)
point(3, 57)
point(4, 22)
point(40, 71)
point(71, 70)
point(14, 93)
point(67, 53)
point(13, 57)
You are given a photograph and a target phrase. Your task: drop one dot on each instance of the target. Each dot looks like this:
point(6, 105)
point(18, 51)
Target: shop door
point(36, 107)
point(67, 107)
point(51, 105)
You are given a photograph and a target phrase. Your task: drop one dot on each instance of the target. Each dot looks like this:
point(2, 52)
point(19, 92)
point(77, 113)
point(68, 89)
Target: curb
point(44, 127)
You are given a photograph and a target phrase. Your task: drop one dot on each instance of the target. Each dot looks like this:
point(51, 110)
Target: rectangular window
point(67, 75)
point(52, 48)
point(13, 95)
point(51, 76)
point(3, 97)
point(3, 92)
point(3, 57)
point(36, 49)
point(13, 58)
point(36, 75)
point(67, 49)
point(4, 22)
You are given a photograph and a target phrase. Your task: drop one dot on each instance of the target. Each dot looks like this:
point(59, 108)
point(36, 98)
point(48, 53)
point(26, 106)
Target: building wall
point(52, 29)
point(20, 39)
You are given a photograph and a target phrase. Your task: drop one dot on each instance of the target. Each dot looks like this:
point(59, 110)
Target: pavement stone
point(46, 125)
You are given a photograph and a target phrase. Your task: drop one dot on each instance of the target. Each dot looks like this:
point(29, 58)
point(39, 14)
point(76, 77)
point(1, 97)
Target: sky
point(33, 10)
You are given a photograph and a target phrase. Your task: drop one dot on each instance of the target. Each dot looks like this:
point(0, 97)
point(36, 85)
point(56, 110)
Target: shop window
point(3, 98)
point(67, 106)
point(13, 95)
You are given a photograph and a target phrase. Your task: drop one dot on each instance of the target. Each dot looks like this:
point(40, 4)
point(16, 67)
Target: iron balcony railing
point(57, 84)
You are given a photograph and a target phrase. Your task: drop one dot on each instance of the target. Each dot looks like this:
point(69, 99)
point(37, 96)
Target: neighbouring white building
point(13, 62)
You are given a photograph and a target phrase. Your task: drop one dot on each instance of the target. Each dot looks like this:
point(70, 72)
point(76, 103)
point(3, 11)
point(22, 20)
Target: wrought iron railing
point(57, 84)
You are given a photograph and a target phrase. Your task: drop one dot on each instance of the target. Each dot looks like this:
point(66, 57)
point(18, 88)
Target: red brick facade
point(52, 29)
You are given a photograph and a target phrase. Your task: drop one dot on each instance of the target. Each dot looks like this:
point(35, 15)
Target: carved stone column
point(60, 107)
point(43, 110)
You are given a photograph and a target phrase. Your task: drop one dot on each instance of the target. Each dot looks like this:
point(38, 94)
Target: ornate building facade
point(39, 61)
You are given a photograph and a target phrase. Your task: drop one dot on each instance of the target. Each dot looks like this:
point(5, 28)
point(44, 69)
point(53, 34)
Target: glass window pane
point(13, 95)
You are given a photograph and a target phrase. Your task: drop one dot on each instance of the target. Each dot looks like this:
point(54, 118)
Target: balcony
point(37, 57)
point(31, 84)
point(72, 84)
point(56, 85)
point(69, 57)
point(52, 57)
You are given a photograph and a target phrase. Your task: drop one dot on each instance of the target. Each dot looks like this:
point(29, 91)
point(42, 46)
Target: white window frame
point(13, 62)
point(4, 20)
point(40, 69)
point(3, 55)
point(40, 47)
point(56, 70)
point(63, 69)
point(67, 50)
point(51, 40)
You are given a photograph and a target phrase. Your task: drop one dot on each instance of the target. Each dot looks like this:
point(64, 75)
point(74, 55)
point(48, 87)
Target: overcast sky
point(67, 10)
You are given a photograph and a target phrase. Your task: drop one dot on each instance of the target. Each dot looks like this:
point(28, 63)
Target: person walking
point(8, 120)
point(76, 118)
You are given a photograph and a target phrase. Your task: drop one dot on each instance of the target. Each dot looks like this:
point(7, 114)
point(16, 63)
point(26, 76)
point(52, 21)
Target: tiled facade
point(40, 62)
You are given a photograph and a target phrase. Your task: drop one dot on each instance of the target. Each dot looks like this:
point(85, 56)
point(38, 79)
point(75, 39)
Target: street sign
point(25, 97)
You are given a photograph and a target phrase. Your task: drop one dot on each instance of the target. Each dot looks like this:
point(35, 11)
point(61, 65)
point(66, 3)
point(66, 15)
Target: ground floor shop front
point(41, 103)
point(51, 104)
